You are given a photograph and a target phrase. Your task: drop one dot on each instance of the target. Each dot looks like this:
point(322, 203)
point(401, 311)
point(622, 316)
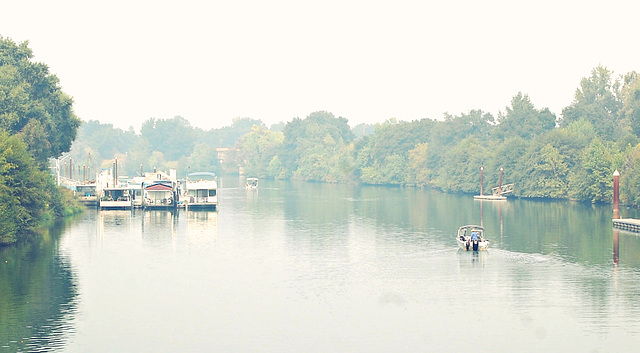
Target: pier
point(628, 224)
point(497, 193)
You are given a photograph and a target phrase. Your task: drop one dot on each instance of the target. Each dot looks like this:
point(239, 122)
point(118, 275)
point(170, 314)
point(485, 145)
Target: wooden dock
point(490, 197)
point(629, 224)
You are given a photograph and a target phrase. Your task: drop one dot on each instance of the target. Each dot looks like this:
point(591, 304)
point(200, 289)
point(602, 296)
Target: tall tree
point(630, 96)
point(32, 105)
point(309, 144)
point(25, 190)
point(175, 137)
point(258, 149)
point(524, 120)
point(596, 101)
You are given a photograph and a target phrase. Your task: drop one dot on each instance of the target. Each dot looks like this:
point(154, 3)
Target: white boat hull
point(482, 245)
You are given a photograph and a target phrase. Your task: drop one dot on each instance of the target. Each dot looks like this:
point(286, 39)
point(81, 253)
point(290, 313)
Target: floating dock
point(490, 197)
point(629, 224)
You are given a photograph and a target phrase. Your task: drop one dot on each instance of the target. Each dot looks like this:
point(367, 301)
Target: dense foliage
point(567, 157)
point(36, 123)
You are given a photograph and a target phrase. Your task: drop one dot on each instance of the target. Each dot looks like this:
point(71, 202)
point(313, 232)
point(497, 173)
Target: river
point(310, 267)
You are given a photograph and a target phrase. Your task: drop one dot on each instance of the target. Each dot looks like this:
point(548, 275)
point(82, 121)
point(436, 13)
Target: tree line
point(572, 156)
point(36, 123)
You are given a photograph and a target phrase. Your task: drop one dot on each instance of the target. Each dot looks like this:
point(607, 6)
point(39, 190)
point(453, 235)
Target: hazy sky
point(124, 62)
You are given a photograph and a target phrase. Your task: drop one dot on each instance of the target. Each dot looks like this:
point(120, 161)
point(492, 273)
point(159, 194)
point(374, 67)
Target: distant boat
point(471, 238)
point(252, 183)
point(201, 192)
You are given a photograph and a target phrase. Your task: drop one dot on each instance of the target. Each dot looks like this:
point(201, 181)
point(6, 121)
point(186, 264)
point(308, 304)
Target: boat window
point(212, 193)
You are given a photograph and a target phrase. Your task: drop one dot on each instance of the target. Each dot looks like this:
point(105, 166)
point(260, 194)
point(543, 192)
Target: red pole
point(616, 248)
point(616, 195)
point(481, 179)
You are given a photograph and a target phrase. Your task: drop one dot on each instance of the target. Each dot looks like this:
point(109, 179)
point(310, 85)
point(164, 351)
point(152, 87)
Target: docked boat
point(159, 190)
point(112, 194)
point(201, 191)
point(471, 238)
point(135, 187)
point(252, 183)
point(87, 194)
point(117, 198)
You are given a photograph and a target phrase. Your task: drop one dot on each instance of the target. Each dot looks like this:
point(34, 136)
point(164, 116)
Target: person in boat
point(475, 239)
point(474, 235)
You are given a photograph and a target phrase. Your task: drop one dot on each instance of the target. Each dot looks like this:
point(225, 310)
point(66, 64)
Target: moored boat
point(201, 192)
point(112, 194)
point(471, 238)
point(159, 190)
point(115, 198)
point(87, 194)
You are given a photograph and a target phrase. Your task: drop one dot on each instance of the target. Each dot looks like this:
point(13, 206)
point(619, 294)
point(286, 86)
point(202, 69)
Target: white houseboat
point(201, 191)
point(112, 195)
point(87, 194)
point(159, 190)
point(117, 198)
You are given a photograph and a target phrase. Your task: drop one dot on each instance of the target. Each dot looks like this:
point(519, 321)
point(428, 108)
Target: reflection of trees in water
point(38, 294)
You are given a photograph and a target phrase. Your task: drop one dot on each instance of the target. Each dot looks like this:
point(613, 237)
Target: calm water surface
point(300, 267)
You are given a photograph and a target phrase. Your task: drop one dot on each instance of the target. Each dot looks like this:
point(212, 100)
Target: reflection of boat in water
point(201, 193)
point(252, 183)
point(471, 237)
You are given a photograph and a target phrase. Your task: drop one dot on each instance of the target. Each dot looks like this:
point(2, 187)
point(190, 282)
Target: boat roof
point(201, 184)
point(156, 177)
point(471, 226)
point(158, 187)
point(202, 174)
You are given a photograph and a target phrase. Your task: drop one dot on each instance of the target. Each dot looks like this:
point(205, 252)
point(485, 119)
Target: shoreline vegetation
point(570, 157)
point(37, 123)
point(566, 157)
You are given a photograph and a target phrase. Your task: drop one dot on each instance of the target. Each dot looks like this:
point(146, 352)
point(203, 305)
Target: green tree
point(630, 177)
point(32, 105)
point(228, 136)
point(547, 172)
point(310, 144)
point(630, 96)
point(593, 180)
point(419, 173)
point(258, 149)
point(277, 170)
point(460, 169)
point(204, 158)
point(509, 154)
point(524, 120)
point(596, 101)
point(25, 190)
point(175, 137)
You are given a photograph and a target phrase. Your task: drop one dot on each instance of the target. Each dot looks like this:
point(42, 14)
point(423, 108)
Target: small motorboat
point(471, 238)
point(252, 183)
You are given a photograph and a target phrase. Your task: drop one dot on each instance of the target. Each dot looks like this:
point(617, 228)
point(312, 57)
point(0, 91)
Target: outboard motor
point(467, 245)
point(476, 244)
